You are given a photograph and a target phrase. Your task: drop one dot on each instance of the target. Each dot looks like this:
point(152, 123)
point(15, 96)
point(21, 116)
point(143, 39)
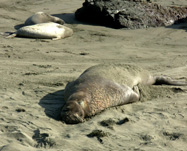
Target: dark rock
point(129, 13)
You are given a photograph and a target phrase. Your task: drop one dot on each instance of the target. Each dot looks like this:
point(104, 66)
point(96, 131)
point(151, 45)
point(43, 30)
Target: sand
point(34, 74)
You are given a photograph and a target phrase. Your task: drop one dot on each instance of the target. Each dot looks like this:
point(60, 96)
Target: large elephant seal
point(44, 31)
point(41, 17)
point(106, 85)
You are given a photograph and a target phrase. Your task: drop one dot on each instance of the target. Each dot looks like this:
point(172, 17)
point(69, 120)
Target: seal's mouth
point(72, 113)
point(69, 118)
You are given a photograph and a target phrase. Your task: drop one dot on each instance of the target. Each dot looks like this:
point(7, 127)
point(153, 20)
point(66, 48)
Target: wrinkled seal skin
point(41, 17)
point(106, 85)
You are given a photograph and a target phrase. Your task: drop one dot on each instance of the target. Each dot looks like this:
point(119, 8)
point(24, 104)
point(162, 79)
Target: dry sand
point(35, 72)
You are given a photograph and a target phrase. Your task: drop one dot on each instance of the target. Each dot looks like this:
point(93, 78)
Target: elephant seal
point(41, 17)
point(106, 85)
point(50, 30)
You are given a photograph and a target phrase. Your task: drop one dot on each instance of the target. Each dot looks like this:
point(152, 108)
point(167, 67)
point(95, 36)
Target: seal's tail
point(159, 80)
point(8, 34)
point(11, 35)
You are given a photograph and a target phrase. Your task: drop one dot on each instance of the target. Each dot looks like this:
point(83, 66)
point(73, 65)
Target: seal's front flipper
point(136, 90)
point(136, 93)
point(132, 95)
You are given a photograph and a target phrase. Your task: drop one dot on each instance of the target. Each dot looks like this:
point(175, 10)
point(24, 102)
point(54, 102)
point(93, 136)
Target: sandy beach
point(34, 73)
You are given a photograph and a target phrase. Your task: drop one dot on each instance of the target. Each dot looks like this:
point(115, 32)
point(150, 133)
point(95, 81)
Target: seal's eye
point(81, 103)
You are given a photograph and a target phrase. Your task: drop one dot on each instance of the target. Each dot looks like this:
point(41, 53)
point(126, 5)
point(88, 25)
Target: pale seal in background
point(106, 85)
point(44, 31)
point(41, 17)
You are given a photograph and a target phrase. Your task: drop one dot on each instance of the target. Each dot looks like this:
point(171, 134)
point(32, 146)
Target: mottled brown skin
point(104, 86)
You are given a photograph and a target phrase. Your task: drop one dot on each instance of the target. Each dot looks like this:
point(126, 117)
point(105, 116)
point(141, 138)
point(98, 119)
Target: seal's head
point(73, 112)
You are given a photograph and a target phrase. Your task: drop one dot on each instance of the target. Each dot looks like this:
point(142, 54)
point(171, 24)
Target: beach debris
point(109, 123)
point(43, 140)
point(98, 134)
point(20, 110)
point(172, 135)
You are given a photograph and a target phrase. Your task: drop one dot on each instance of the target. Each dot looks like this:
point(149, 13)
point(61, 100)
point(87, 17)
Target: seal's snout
point(72, 113)
point(71, 119)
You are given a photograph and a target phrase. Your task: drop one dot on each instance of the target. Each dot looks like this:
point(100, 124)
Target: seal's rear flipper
point(159, 80)
point(7, 33)
point(11, 35)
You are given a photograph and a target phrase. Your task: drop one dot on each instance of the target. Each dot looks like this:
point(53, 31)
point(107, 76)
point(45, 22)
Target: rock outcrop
point(129, 13)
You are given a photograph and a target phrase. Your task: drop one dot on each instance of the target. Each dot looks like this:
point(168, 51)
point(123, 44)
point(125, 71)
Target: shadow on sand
point(19, 26)
point(52, 103)
point(69, 18)
point(180, 24)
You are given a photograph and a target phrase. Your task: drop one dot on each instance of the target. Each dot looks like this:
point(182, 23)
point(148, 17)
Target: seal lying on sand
point(44, 31)
point(106, 85)
point(41, 17)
